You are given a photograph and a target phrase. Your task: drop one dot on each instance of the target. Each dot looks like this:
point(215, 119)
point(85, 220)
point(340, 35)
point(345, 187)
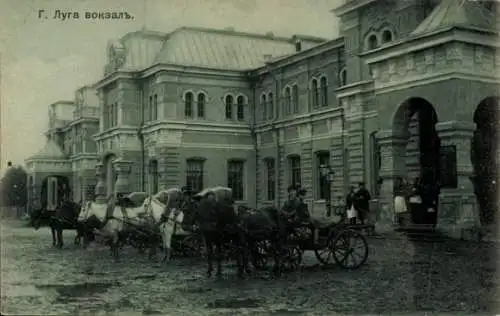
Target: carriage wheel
point(349, 249)
point(260, 255)
point(292, 258)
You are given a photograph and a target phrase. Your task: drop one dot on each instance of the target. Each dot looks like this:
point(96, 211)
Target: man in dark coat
point(362, 201)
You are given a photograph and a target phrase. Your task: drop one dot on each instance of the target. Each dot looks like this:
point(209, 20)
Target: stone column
point(122, 184)
point(100, 188)
point(392, 151)
point(458, 212)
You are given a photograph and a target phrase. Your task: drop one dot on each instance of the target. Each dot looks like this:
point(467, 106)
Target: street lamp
point(328, 173)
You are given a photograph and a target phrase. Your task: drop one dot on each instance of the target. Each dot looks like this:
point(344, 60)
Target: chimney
point(9, 163)
point(270, 34)
point(298, 45)
point(267, 57)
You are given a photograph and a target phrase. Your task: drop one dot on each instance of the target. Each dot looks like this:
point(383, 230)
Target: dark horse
point(65, 217)
point(219, 225)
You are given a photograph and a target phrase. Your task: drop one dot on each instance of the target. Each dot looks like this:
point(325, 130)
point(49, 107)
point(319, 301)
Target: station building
point(408, 89)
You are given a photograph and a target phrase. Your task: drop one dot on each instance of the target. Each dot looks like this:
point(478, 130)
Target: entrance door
point(416, 119)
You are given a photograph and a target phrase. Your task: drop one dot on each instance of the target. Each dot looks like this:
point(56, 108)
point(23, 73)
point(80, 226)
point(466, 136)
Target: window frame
point(294, 169)
point(188, 104)
point(270, 179)
point(238, 185)
point(201, 101)
point(195, 169)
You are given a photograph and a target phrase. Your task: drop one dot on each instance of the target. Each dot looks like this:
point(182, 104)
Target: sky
point(46, 60)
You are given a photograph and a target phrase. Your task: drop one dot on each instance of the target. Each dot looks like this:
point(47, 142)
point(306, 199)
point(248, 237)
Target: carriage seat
point(133, 200)
point(321, 223)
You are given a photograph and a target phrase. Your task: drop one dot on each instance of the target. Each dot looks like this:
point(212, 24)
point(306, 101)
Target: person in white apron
point(400, 205)
point(171, 226)
point(349, 203)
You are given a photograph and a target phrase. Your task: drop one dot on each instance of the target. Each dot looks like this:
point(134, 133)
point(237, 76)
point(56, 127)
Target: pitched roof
point(50, 151)
point(208, 48)
point(462, 13)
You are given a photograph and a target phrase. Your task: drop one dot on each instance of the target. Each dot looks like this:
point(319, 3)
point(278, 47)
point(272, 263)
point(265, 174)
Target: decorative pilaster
point(458, 212)
point(123, 168)
point(100, 188)
point(393, 157)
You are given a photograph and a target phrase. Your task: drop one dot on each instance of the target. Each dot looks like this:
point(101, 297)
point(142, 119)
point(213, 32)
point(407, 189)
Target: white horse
point(164, 209)
point(109, 221)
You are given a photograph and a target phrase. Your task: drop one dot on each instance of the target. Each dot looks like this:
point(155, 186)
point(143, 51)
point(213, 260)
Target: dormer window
point(372, 42)
point(387, 36)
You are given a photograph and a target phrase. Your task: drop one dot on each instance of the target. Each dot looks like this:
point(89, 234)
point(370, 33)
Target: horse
point(260, 225)
point(218, 224)
point(159, 208)
point(113, 221)
point(64, 217)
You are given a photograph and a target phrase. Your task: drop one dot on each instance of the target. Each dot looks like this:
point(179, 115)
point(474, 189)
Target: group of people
point(415, 203)
point(357, 203)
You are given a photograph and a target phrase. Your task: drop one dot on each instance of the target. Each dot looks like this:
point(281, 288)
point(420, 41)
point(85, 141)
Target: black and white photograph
point(249, 157)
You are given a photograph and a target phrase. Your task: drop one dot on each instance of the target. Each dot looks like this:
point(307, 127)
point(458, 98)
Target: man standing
point(362, 201)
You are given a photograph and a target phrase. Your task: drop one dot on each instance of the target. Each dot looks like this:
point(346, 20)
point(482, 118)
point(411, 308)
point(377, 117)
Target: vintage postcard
point(258, 157)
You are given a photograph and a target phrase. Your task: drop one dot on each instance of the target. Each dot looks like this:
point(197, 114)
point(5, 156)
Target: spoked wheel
point(349, 249)
point(260, 255)
point(292, 258)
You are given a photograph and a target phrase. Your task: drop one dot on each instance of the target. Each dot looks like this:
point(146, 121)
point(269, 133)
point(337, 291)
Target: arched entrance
point(415, 121)
point(484, 158)
point(110, 174)
point(54, 190)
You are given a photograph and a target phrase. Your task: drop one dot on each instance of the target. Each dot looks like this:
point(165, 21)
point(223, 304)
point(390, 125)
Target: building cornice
point(417, 43)
point(354, 88)
point(298, 57)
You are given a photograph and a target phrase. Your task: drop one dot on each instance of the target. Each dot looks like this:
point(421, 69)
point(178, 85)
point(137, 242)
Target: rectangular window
point(294, 165)
point(194, 174)
point(271, 179)
point(235, 179)
point(323, 158)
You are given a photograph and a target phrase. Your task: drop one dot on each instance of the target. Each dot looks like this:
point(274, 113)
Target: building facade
point(408, 89)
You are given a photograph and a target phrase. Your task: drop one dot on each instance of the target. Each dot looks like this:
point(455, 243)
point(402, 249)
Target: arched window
point(295, 96)
point(386, 36)
point(324, 91)
point(202, 100)
point(229, 106)
point(372, 42)
point(263, 107)
point(270, 108)
point(288, 101)
point(188, 104)
point(343, 77)
point(240, 108)
point(315, 92)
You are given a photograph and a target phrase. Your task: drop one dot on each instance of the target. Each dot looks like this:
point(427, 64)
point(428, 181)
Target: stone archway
point(484, 158)
point(415, 150)
point(110, 174)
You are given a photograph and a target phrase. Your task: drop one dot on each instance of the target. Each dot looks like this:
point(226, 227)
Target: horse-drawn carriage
point(336, 243)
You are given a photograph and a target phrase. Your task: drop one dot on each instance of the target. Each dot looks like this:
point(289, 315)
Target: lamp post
point(328, 173)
